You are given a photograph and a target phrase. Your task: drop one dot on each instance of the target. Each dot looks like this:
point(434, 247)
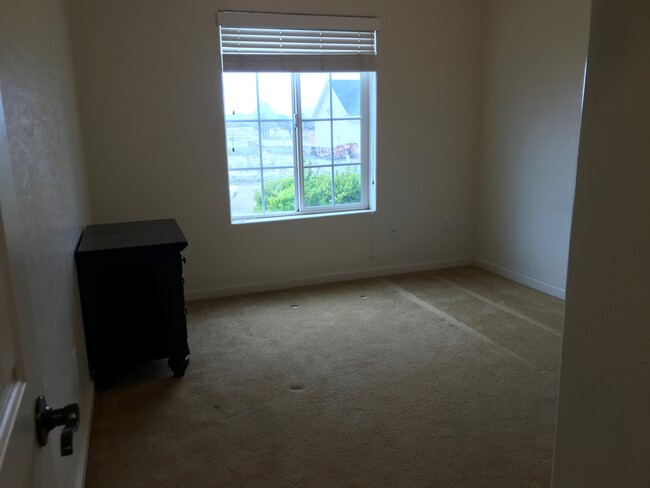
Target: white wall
point(533, 75)
point(150, 96)
point(45, 155)
point(603, 430)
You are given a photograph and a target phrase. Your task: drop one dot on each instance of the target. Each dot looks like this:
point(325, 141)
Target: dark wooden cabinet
point(132, 298)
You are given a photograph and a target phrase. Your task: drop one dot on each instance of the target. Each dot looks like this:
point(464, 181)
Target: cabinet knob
point(184, 259)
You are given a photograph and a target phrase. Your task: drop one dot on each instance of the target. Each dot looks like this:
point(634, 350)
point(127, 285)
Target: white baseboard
point(538, 285)
point(326, 278)
point(82, 437)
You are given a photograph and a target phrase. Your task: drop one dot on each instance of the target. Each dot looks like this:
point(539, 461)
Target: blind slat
point(296, 32)
point(325, 40)
point(258, 43)
point(317, 48)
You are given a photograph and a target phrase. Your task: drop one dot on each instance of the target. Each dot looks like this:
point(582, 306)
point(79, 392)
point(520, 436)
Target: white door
point(23, 464)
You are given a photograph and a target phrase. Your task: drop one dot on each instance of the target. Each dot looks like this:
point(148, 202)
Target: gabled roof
point(348, 93)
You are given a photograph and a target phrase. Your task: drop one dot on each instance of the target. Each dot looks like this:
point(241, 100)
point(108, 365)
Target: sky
point(275, 89)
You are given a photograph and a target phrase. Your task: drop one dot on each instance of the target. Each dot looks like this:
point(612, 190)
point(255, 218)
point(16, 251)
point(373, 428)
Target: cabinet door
point(133, 306)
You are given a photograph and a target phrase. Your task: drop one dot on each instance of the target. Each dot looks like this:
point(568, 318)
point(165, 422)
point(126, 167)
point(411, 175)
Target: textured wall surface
point(603, 429)
point(150, 97)
point(534, 57)
point(50, 185)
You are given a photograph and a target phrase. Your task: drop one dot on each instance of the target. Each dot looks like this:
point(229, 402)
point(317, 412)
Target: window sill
point(262, 220)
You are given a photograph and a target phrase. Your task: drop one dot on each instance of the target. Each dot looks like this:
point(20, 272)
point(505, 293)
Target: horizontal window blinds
point(297, 43)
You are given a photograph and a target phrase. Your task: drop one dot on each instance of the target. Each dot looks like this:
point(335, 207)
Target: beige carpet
point(436, 379)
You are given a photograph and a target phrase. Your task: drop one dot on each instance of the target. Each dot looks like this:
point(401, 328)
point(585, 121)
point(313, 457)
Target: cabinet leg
point(178, 365)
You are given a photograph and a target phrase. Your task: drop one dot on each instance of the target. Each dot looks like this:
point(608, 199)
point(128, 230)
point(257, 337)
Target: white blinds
point(275, 42)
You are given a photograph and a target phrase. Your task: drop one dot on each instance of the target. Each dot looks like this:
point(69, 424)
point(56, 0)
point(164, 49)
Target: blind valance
point(297, 43)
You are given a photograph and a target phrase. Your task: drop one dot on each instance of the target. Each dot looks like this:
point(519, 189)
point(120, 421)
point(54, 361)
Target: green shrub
point(347, 187)
point(279, 192)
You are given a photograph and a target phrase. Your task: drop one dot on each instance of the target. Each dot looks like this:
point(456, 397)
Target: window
point(299, 103)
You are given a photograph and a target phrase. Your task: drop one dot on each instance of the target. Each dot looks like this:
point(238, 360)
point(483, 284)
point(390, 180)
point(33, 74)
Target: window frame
point(264, 42)
point(367, 123)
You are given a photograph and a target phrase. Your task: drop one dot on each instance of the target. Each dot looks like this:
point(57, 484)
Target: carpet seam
point(503, 308)
point(454, 321)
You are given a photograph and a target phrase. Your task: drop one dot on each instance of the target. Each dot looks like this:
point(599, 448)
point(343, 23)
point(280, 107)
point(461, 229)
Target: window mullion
point(332, 135)
point(298, 150)
point(259, 138)
point(365, 139)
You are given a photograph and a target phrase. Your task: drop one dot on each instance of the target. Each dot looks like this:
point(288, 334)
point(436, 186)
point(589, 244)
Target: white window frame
point(310, 59)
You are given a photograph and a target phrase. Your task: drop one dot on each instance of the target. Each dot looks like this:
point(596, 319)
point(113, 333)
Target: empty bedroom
point(348, 243)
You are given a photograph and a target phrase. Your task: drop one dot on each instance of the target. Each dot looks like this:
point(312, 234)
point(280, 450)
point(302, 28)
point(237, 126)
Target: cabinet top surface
point(126, 235)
